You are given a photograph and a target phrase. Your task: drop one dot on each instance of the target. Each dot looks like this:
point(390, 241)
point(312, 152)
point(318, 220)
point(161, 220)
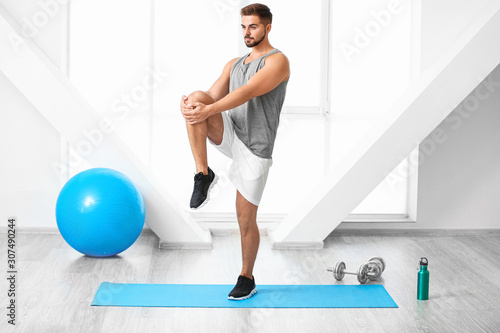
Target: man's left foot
point(245, 288)
point(203, 184)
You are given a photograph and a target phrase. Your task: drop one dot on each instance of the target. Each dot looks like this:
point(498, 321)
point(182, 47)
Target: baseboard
point(346, 231)
point(232, 228)
point(226, 223)
point(51, 230)
point(202, 217)
point(185, 246)
point(221, 228)
point(297, 245)
point(307, 245)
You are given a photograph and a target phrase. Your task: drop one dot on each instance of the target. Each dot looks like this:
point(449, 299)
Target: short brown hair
point(260, 10)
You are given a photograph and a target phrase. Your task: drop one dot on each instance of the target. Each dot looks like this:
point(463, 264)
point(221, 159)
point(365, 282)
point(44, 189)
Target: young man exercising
point(239, 115)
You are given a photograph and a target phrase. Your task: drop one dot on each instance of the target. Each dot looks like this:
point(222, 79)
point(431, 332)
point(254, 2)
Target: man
point(239, 114)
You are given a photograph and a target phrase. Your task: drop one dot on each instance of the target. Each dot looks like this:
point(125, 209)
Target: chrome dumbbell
point(371, 270)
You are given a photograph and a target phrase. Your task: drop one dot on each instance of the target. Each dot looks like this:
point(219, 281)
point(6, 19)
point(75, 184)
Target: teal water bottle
point(423, 280)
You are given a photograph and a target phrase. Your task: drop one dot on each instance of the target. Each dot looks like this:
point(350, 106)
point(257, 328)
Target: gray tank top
point(256, 121)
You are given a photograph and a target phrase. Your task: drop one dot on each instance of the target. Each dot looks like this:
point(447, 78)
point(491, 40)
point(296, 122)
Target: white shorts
point(248, 172)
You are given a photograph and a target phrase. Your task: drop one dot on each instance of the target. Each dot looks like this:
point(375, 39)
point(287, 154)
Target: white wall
point(29, 145)
point(459, 180)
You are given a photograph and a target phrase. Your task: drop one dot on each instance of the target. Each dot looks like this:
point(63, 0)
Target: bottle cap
point(424, 261)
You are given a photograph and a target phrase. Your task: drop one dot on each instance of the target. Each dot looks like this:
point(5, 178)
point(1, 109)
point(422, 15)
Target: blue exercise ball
point(100, 212)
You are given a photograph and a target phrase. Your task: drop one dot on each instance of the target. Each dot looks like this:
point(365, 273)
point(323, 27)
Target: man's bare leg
point(212, 128)
point(250, 238)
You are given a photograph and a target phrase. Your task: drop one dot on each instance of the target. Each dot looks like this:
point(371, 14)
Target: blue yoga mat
point(268, 296)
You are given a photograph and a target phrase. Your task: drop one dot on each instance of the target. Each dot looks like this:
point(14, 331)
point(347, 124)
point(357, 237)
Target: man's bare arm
point(275, 71)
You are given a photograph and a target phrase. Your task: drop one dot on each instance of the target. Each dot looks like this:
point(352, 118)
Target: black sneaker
point(202, 186)
point(245, 288)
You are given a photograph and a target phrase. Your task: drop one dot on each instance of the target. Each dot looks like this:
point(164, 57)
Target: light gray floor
point(57, 285)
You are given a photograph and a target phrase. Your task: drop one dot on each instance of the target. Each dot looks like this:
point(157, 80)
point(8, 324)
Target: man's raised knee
point(200, 96)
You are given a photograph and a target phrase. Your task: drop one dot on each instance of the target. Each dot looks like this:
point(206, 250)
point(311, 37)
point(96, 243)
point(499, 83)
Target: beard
point(253, 43)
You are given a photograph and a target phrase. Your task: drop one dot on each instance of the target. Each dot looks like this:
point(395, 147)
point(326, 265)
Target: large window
point(370, 56)
point(133, 60)
point(109, 63)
